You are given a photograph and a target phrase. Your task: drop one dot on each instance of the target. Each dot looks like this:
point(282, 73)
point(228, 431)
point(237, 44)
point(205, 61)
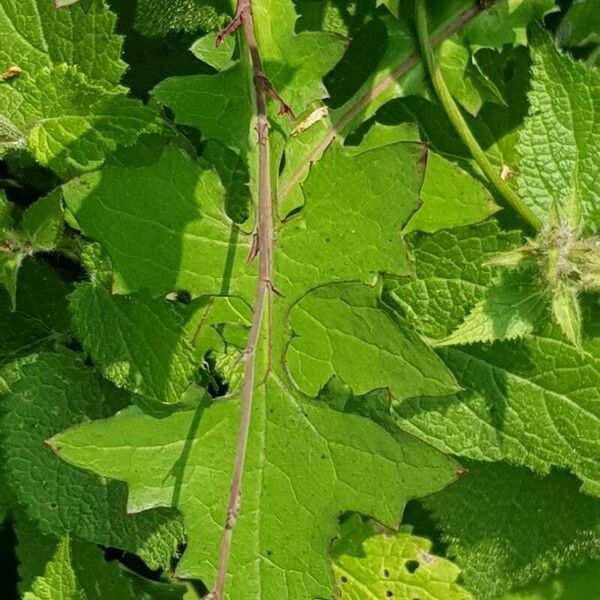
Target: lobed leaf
point(345, 330)
point(305, 460)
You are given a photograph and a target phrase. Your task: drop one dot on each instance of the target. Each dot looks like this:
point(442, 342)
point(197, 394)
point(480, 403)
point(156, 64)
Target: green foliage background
point(426, 421)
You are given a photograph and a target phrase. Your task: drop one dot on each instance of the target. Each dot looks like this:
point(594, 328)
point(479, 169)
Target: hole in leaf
point(411, 566)
point(183, 296)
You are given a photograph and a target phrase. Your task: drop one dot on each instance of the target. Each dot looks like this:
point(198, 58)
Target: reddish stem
point(264, 287)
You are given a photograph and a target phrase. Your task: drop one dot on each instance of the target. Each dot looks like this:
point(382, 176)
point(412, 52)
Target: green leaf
point(7, 221)
point(196, 243)
point(144, 350)
point(65, 105)
point(58, 581)
point(507, 527)
point(581, 24)
point(36, 35)
point(313, 248)
point(567, 313)
point(182, 237)
point(40, 230)
point(451, 276)
point(43, 221)
point(73, 124)
point(451, 198)
point(219, 57)
point(345, 330)
point(368, 565)
point(41, 317)
point(511, 309)
point(399, 72)
point(531, 402)
point(83, 566)
point(573, 584)
point(221, 105)
point(464, 81)
point(559, 139)
point(306, 461)
point(52, 392)
point(212, 322)
point(163, 17)
point(235, 178)
point(9, 270)
point(505, 23)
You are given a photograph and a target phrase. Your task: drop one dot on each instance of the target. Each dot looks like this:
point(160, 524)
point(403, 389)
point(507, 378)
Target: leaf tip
point(52, 444)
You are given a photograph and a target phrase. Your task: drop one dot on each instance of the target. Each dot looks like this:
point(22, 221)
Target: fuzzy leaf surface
point(83, 567)
point(69, 124)
point(65, 105)
point(49, 393)
point(534, 402)
point(144, 349)
point(511, 309)
point(36, 35)
point(58, 580)
point(507, 527)
point(573, 584)
point(558, 144)
point(450, 276)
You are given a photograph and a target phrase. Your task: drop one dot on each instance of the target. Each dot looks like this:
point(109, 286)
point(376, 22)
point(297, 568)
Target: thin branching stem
point(264, 287)
point(460, 125)
point(363, 101)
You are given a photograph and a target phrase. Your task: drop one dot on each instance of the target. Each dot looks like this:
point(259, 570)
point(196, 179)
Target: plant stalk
point(264, 286)
point(460, 125)
point(363, 101)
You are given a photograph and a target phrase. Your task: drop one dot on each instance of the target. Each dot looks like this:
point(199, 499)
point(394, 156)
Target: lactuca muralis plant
point(245, 340)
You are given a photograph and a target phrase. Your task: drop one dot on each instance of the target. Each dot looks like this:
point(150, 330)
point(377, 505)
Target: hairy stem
point(363, 101)
point(460, 125)
point(264, 287)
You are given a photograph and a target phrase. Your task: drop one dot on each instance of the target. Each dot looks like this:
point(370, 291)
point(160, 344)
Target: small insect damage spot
point(411, 565)
point(10, 73)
